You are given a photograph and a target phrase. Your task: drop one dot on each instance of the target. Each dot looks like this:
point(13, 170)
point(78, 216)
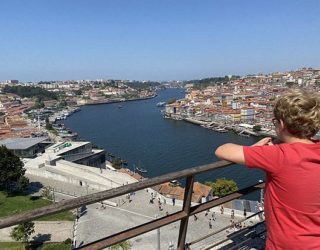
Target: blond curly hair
point(300, 112)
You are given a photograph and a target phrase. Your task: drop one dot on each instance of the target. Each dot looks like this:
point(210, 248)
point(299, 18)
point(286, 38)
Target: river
point(137, 132)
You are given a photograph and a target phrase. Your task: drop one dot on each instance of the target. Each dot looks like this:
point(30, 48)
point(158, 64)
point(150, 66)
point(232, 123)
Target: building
point(76, 152)
point(26, 147)
point(12, 81)
point(247, 114)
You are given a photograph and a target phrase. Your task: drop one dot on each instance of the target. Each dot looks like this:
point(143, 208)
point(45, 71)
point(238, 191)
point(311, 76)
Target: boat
point(244, 135)
point(120, 106)
point(161, 104)
point(221, 130)
point(139, 168)
point(175, 183)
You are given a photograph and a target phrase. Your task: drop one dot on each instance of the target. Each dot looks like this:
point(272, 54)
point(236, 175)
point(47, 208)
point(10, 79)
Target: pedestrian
point(164, 201)
point(210, 224)
point(195, 217)
point(232, 214)
point(173, 201)
point(292, 166)
point(213, 215)
point(221, 209)
point(245, 213)
point(206, 213)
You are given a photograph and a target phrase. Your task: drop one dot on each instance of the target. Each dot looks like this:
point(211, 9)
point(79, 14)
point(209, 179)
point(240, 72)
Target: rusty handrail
point(107, 194)
point(182, 215)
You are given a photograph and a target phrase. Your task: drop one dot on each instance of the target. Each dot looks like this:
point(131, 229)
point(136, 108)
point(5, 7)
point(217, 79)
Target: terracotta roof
point(170, 190)
point(201, 189)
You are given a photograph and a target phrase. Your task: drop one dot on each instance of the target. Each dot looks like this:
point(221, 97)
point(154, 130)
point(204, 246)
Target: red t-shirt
point(292, 197)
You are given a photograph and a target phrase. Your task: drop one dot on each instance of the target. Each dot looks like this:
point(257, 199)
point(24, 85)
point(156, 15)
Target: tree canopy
point(171, 100)
point(205, 82)
point(223, 186)
point(11, 167)
point(256, 128)
point(22, 232)
point(28, 91)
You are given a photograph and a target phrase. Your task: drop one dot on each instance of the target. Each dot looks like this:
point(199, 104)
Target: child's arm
point(234, 152)
point(231, 152)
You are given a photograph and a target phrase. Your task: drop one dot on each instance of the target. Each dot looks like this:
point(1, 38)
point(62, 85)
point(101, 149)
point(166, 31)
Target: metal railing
point(182, 215)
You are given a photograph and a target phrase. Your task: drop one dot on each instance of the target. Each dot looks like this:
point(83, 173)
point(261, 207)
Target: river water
point(137, 132)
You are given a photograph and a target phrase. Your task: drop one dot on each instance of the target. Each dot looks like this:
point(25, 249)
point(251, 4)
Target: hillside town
point(246, 102)
point(23, 114)
point(243, 100)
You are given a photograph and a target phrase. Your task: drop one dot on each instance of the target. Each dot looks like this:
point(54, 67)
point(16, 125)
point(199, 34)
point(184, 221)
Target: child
point(292, 197)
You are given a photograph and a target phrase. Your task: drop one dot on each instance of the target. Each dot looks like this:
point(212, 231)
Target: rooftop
point(22, 143)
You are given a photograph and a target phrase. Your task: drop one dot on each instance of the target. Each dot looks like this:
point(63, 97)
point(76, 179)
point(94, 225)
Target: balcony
point(185, 236)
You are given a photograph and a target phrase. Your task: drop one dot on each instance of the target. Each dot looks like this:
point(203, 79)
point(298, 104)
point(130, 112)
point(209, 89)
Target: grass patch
point(46, 246)
point(11, 246)
point(56, 246)
point(14, 204)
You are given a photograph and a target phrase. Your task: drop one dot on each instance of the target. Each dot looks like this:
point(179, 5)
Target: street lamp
point(158, 234)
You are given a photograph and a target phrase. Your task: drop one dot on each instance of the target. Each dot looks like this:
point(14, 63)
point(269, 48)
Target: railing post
point(186, 209)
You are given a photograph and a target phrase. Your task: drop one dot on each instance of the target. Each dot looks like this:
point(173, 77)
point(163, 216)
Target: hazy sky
point(156, 40)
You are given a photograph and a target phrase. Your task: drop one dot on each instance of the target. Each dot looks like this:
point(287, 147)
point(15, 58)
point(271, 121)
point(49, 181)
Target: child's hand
point(264, 142)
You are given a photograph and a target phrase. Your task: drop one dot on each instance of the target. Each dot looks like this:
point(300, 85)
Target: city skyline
point(153, 40)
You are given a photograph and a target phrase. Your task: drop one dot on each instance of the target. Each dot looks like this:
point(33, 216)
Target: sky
point(155, 40)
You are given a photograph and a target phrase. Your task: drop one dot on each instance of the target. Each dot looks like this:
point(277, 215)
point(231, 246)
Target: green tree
point(291, 84)
point(47, 192)
point(171, 100)
point(256, 128)
point(22, 232)
point(23, 183)
point(124, 245)
point(11, 167)
point(38, 104)
point(29, 91)
point(223, 186)
point(117, 163)
point(48, 124)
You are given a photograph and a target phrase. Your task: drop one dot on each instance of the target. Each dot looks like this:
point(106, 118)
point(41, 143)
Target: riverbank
point(92, 102)
point(220, 127)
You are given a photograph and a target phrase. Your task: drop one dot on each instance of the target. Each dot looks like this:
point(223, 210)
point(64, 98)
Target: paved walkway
point(99, 221)
point(55, 231)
